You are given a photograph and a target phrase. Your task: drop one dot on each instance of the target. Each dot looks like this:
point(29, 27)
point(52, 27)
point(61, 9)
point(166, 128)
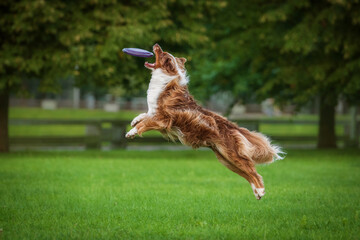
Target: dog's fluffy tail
point(259, 148)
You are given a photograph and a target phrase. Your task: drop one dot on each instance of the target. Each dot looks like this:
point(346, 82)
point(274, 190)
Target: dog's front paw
point(137, 119)
point(131, 134)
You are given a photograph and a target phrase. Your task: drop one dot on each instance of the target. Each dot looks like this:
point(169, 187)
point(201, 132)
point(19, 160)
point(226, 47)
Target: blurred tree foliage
point(50, 40)
point(54, 39)
point(290, 50)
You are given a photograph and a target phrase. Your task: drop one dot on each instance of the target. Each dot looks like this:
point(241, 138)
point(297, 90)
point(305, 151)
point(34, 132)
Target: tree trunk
point(326, 134)
point(4, 115)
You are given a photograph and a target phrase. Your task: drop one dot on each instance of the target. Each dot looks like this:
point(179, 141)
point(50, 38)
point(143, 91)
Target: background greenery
point(292, 51)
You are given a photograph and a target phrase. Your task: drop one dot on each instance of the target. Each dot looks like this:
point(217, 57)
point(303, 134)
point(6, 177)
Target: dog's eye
point(168, 61)
point(169, 66)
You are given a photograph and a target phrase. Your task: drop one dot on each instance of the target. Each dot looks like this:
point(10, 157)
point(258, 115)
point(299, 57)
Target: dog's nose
point(157, 47)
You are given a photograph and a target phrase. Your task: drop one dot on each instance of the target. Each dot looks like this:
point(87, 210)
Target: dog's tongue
point(150, 65)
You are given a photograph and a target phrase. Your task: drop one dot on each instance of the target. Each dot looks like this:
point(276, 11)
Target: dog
point(175, 113)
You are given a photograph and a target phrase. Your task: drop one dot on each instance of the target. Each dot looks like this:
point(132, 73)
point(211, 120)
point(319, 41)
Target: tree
point(50, 40)
point(28, 48)
point(293, 51)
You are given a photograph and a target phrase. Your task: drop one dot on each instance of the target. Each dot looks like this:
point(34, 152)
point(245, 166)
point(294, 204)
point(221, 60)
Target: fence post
point(352, 137)
point(256, 125)
point(93, 135)
point(118, 139)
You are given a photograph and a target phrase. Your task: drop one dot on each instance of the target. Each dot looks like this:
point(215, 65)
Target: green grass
point(176, 195)
point(46, 130)
point(68, 113)
point(295, 130)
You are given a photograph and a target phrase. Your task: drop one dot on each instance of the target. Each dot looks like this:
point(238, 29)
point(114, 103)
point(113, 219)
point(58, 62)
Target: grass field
point(176, 195)
point(68, 113)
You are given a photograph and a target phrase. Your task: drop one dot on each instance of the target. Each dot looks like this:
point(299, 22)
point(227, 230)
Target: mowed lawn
point(176, 195)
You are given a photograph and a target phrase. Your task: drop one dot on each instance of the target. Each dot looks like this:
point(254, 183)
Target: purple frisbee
point(137, 52)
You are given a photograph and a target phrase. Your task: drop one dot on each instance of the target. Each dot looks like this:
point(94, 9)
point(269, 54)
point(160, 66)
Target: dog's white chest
point(153, 94)
point(157, 84)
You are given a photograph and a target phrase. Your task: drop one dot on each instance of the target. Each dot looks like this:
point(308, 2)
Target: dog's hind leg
point(244, 168)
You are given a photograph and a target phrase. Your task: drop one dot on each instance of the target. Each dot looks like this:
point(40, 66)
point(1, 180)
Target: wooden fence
point(96, 134)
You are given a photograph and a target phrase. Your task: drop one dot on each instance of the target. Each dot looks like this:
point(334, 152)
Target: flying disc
point(137, 52)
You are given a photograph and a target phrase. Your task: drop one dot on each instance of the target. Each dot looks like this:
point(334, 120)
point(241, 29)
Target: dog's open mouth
point(149, 65)
point(157, 51)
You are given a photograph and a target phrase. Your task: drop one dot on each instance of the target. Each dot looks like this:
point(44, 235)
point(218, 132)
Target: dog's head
point(167, 63)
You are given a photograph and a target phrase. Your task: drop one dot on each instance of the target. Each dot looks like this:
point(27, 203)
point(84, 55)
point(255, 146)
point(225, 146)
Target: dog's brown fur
point(179, 117)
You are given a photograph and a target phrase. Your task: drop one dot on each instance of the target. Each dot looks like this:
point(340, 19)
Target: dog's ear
point(181, 61)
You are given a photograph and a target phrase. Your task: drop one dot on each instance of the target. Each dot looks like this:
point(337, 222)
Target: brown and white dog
point(174, 112)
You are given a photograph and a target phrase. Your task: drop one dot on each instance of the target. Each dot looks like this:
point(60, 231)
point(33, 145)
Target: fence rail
point(96, 134)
